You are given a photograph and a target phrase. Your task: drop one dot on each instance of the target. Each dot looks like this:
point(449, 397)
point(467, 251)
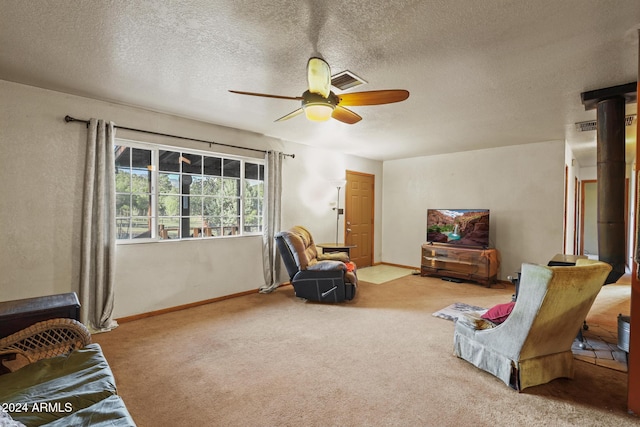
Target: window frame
point(155, 150)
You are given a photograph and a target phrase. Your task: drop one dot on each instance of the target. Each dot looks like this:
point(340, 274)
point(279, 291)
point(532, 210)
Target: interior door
point(359, 208)
point(589, 215)
point(589, 219)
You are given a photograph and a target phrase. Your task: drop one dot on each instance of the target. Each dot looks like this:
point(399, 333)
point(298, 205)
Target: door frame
point(576, 212)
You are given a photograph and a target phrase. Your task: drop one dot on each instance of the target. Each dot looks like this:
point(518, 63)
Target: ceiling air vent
point(592, 125)
point(346, 80)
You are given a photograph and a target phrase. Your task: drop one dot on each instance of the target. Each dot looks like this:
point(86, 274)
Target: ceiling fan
point(319, 103)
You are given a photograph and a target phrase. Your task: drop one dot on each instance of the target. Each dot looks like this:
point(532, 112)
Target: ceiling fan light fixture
point(318, 108)
point(320, 104)
point(318, 112)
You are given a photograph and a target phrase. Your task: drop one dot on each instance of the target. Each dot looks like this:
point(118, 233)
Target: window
point(133, 192)
point(166, 193)
point(253, 197)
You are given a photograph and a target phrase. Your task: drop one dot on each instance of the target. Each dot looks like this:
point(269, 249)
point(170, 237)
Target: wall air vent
point(592, 125)
point(586, 126)
point(346, 80)
point(628, 120)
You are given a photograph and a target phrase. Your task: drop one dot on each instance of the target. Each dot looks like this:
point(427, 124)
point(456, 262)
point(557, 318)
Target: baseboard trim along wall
point(181, 307)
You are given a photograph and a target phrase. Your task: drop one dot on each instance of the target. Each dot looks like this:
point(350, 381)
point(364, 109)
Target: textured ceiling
point(481, 74)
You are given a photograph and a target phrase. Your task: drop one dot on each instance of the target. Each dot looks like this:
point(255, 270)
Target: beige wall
point(521, 185)
point(41, 173)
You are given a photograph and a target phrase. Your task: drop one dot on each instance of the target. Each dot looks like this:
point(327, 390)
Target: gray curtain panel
point(271, 221)
point(97, 265)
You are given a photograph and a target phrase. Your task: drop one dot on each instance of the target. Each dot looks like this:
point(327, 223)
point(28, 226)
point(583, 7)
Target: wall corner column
point(633, 393)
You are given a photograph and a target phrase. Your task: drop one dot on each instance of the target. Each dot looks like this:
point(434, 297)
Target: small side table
point(333, 247)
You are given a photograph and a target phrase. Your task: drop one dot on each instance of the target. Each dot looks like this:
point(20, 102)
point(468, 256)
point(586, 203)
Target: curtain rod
point(69, 119)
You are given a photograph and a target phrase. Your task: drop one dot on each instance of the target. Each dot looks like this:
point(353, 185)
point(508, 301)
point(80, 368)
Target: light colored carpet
point(381, 359)
point(382, 273)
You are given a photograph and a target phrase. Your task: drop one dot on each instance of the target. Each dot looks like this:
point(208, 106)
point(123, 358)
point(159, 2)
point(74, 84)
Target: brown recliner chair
point(316, 277)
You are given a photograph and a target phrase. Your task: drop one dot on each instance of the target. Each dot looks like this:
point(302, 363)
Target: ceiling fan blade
point(291, 115)
point(345, 115)
point(319, 76)
point(294, 98)
point(374, 97)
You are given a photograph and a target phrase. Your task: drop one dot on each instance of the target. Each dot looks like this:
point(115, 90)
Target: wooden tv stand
point(457, 262)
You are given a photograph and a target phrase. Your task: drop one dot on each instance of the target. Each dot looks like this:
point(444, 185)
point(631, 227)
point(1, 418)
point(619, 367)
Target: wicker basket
point(46, 339)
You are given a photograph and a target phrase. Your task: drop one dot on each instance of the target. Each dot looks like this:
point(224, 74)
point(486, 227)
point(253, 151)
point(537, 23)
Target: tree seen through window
point(195, 195)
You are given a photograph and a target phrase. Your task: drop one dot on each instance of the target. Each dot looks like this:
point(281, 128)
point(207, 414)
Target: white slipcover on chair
point(533, 345)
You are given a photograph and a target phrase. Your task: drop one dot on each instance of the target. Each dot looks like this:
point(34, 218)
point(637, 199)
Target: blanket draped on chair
point(533, 345)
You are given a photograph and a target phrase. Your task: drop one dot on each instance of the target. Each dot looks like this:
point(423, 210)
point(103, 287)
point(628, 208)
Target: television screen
point(463, 227)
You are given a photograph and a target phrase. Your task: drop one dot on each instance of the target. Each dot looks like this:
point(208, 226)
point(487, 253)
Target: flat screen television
point(461, 227)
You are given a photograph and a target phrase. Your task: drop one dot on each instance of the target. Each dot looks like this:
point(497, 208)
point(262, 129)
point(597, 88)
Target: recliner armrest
point(335, 256)
point(327, 265)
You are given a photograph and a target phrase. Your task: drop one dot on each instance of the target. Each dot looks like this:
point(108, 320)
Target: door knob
point(348, 230)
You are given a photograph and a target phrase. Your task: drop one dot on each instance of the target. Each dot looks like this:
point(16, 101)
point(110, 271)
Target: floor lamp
point(339, 184)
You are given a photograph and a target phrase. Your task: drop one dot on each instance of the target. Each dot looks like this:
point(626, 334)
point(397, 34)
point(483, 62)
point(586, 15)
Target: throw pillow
point(499, 313)
point(474, 320)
